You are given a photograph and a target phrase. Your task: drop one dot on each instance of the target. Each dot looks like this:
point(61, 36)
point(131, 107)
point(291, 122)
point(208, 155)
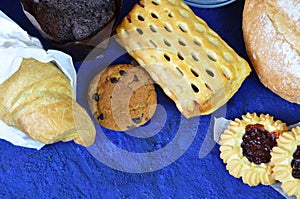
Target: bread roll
point(272, 37)
point(38, 100)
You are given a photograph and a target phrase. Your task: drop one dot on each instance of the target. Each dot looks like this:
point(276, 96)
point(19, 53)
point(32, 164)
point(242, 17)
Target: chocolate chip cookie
point(122, 97)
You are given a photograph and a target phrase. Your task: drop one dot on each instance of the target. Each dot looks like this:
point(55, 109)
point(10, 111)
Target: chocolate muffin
point(73, 20)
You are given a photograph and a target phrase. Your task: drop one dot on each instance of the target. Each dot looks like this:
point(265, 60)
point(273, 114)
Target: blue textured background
point(66, 170)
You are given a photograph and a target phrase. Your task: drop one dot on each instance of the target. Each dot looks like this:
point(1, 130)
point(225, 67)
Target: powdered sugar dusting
point(292, 59)
point(290, 64)
point(291, 8)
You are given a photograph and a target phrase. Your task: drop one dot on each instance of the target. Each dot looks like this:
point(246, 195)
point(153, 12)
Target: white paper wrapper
point(221, 124)
point(16, 44)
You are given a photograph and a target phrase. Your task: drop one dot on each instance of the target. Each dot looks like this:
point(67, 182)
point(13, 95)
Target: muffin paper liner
point(77, 49)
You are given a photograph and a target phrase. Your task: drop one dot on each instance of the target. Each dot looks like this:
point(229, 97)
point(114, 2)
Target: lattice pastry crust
point(282, 156)
point(232, 154)
point(192, 64)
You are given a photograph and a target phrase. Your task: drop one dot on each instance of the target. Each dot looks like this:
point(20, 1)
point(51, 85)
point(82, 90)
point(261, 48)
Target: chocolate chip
point(135, 78)
point(137, 120)
point(101, 117)
point(96, 97)
point(130, 127)
point(114, 80)
point(122, 72)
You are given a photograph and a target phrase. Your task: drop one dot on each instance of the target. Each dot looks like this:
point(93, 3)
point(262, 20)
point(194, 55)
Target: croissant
point(38, 100)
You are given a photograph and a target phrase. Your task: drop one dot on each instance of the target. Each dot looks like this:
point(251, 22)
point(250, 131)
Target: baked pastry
point(191, 63)
point(38, 100)
point(272, 37)
point(122, 97)
point(246, 146)
point(68, 20)
point(286, 160)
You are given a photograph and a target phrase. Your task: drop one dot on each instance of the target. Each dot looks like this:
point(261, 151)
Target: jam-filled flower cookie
point(286, 160)
point(246, 147)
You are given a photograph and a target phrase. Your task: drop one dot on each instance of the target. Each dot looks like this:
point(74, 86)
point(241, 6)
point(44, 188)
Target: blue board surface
point(67, 170)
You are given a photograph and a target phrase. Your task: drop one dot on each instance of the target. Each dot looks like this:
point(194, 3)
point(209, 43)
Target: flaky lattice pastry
point(239, 165)
point(191, 63)
point(282, 157)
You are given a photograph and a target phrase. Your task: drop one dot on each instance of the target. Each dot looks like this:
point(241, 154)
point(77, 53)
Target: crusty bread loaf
point(272, 37)
point(192, 64)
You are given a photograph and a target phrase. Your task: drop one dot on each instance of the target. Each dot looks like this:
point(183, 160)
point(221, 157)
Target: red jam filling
point(258, 143)
point(296, 163)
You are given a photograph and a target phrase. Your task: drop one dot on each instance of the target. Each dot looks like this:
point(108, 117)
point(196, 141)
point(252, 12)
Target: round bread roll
point(271, 31)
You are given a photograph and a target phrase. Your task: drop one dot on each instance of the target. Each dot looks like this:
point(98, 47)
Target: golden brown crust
point(282, 156)
point(122, 97)
point(232, 153)
point(192, 64)
point(38, 100)
point(272, 34)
